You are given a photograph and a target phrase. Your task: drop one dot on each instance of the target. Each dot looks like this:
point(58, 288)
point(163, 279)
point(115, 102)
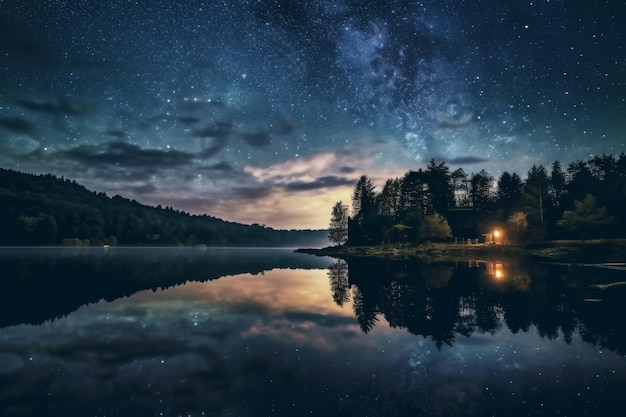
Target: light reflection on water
point(278, 343)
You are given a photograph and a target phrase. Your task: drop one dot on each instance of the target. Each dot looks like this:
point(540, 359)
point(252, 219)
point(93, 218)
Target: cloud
point(144, 189)
point(218, 129)
point(18, 125)
point(322, 182)
point(117, 133)
point(118, 153)
point(188, 120)
point(283, 127)
point(60, 106)
point(222, 166)
point(257, 139)
point(302, 191)
point(466, 160)
point(225, 129)
point(215, 147)
point(305, 169)
point(95, 166)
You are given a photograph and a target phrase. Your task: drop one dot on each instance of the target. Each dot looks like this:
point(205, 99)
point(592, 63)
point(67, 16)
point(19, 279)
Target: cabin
point(462, 221)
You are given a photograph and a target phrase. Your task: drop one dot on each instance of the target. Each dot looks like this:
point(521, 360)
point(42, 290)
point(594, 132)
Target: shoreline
point(563, 251)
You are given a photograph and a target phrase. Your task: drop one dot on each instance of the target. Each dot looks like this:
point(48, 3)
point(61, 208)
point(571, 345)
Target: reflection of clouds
point(279, 291)
point(272, 339)
point(305, 333)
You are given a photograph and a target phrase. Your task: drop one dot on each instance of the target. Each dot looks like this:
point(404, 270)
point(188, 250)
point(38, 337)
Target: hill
point(47, 210)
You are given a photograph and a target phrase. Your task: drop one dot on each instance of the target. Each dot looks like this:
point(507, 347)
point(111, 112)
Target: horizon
point(268, 112)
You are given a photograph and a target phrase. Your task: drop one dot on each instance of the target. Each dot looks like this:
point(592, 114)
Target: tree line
point(584, 200)
point(47, 210)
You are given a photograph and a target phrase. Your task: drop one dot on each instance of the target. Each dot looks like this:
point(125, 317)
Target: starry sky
point(268, 111)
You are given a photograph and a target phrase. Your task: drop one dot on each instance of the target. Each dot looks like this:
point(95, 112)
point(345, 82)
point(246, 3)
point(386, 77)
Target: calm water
point(242, 332)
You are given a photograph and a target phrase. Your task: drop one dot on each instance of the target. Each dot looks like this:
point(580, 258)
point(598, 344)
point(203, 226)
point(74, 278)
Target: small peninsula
point(609, 251)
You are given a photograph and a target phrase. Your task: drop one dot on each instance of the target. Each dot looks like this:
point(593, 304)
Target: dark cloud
point(188, 120)
point(258, 139)
point(127, 154)
point(116, 154)
point(117, 133)
point(322, 182)
point(347, 170)
point(224, 129)
point(251, 193)
point(215, 147)
point(143, 189)
point(61, 106)
point(283, 127)
point(214, 130)
point(222, 166)
point(18, 125)
point(465, 160)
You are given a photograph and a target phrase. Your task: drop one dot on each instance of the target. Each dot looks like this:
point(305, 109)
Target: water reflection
point(282, 334)
point(39, 284)
point(446, 300)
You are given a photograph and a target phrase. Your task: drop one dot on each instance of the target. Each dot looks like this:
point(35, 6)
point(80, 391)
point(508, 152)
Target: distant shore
point(566, 251)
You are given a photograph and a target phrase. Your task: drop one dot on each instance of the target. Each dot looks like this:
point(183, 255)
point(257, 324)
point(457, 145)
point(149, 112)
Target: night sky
point(269, 111)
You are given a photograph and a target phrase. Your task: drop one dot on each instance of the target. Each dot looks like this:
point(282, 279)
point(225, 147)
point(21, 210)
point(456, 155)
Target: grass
point(569, 251)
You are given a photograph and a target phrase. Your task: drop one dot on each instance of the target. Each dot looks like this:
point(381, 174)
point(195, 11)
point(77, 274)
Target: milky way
point(212, 106)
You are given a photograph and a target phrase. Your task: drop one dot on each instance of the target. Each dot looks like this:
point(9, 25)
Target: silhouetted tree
point(388, 201)
point(536, 197)
point(434, 227)
point(338, 228)
point(557, 187)
point(414, 192)
point(481, 191)
point(581, 181)
point(364, 199)
point(586, 219)
point(439, 184)
point(365, 212)
point(460, 188)
point(510, 191)
point(517, 225)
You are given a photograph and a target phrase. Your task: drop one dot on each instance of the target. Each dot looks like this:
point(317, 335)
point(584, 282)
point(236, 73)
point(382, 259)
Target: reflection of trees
point(364, 310)
point(42, 284)
point(444, 301)
point(339, 285)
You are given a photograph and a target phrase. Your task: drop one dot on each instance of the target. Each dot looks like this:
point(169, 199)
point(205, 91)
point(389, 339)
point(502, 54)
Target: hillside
point(47, 210)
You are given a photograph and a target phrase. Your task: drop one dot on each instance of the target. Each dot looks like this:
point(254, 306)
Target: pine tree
point(338, 229)
point(586, 218)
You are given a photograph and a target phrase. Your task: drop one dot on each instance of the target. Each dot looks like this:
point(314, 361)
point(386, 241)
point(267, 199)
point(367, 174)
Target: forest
point(582, 201)
point(47, 210)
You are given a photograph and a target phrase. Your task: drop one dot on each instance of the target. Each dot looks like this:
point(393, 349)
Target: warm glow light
point(499, 274)
point(496, 233)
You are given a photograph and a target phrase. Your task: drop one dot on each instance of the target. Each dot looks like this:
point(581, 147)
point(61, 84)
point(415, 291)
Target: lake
point(268, 332)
